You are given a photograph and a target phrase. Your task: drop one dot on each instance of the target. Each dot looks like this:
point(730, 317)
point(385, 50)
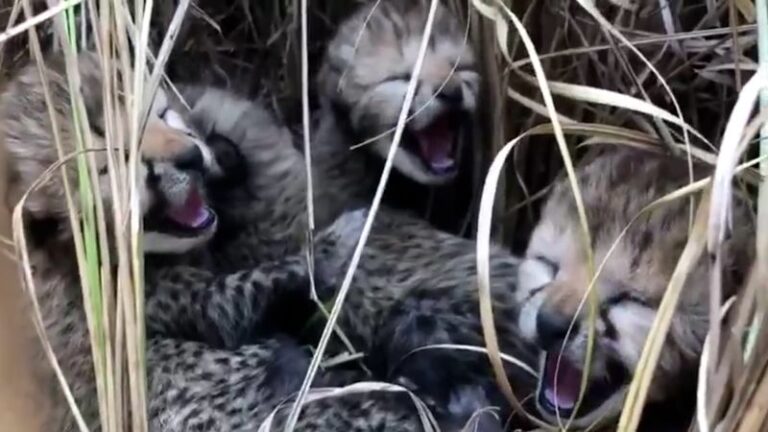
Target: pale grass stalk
point(306, 135)
point(565, 154)
point(115, 137)
point(99, 262)
point(134, 299)
point(761, 9)
point(117, 171)
point(346, 284)
point(484, 283)
point(701, 390)
point(25, 268)
point(140, 114)
point(165, 51)
point(34, 20)
point(307, 138)
point(306, 130)
point(754, 417)
point(720, 211)
point(477, 349)
point(427, 419)
point(748, 377)
point(600, 96)
point(535, 106)
point(9, 25)
point(18, 226)
point(651, 40)
point(644, 372)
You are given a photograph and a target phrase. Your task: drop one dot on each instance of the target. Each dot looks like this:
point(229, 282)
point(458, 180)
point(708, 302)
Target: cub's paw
point(335, 244)
point(346, 229)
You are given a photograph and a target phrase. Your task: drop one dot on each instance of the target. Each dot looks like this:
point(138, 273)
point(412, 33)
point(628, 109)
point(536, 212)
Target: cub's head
point(615, 186)
point(174, 161)
point(365, 76)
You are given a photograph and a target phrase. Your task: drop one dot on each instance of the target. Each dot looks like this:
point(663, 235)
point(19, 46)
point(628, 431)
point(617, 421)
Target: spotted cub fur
point(414, 286)
point(616, 184)
point(209, 365)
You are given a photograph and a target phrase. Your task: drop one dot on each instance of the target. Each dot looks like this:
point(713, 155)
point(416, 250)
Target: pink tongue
point(562, 390)
point(436, 144)
point(192, 213)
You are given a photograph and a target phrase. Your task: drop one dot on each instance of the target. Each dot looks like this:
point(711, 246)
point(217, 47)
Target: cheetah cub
point(171, 172)
point(209, 365)
point(361, 87)
point(616, 184)
point(414, 286)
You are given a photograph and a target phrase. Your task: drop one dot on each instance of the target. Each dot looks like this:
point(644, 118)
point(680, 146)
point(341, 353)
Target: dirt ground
point(22, 406)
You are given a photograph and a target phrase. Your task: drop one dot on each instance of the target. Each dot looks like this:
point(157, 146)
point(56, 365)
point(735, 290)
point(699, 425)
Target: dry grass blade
point(762, 203)
point(427, 419)
point(644, 372)
point(722, 192)
point(405, 109)
point(642, 42)
point(701, 391)
point(484, 278)
point(18, 226)
point(730, 151)
point(506, 357)
point(165, 51)
point(32, 21)
point(565, 154)
point(607, 97)
point(20, 239)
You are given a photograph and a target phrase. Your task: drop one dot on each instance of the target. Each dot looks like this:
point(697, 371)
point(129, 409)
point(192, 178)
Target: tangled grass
point(681, 78)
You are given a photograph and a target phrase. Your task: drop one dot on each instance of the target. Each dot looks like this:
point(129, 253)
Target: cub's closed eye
point(553, 266)
point(535, 274)
point(399, 77)
point(626, 297)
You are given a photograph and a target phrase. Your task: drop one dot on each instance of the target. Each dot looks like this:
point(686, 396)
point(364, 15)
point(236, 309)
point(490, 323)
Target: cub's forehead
point(395, 25)
point(640, 252)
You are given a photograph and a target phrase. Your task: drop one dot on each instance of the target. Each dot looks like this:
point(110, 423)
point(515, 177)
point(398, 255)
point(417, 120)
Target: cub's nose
point(552, 328)
point(191, 159)
point(451, 94)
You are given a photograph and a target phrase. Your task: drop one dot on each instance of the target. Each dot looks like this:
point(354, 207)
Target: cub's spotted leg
point(227, 311)
point(194, 387)
point(436, 311)
point(224, 311)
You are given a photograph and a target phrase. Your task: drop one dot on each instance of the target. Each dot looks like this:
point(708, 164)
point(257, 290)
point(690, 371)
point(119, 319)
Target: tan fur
point(162, 143)
point(615, 186)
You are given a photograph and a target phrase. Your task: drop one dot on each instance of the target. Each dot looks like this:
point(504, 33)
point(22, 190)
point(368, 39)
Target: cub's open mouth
point(437, 144)
point(559, 386)
point(190, 219)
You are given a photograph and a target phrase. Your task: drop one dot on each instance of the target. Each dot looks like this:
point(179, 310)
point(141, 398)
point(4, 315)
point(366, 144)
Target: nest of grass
point(559, 76)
